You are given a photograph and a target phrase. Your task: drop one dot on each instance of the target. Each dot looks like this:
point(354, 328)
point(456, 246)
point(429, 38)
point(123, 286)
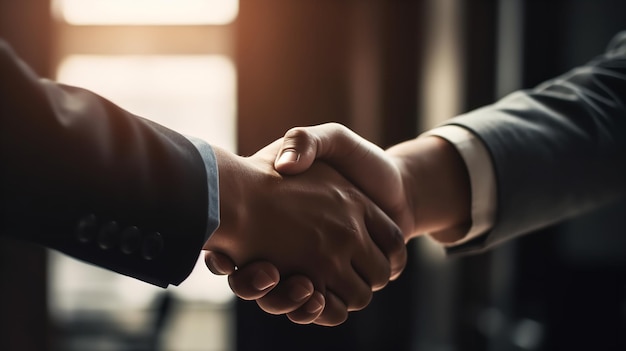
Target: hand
point(379, 175)
point(316, 224)
point(421, 183)
point(295, 296)
point(359, 160)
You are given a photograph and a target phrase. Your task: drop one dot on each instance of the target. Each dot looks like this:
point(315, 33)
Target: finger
point(368, 261)
point(310, 310)
point(297, 152)
point(335, 311)
point(219, 263)
point(372, 267)
point(351, 288)
point(388, 239)
point(254, 280)
point(301, 146)
point(288, 296)
point(349, 153)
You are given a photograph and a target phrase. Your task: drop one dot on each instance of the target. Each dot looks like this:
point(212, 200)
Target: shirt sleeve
point(212, 177)
point(482, 178)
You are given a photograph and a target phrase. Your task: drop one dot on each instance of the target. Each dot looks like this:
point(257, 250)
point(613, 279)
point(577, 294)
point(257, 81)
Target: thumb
point(219, 263)
point(363, 163)
point(301, 146)
point(297, 152)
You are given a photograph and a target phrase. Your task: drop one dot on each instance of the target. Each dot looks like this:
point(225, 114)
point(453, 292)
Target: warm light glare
point(147, 12)
point(194, 95)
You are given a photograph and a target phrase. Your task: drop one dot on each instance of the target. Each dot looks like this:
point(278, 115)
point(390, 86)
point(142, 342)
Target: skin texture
point(315, 224)
point(422, 184)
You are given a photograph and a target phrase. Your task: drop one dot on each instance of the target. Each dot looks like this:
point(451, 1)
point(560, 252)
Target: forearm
point(437, 187)
point(85, 177)
point(557, 150)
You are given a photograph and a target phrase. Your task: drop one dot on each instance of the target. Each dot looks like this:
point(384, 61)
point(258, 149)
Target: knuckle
point(300, 138)
point(346, 235)
point(298, 134)
point(352, 235)
point(354, 195)
point(337, 126)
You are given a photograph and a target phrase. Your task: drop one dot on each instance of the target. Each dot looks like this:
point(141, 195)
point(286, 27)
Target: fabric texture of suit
point(557, 150)
point(89, 179)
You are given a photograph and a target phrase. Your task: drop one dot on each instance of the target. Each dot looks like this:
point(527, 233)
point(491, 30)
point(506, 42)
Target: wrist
point(232, 209)
point(437, 186)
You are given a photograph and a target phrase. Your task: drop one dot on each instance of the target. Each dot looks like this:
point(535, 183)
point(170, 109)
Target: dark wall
point(26, 25)
point(561, 288)
point(308, 62)
point(571, 278)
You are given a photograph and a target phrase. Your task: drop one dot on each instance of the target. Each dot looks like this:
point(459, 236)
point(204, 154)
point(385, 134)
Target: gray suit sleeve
point(558, 150)
point(87, 178)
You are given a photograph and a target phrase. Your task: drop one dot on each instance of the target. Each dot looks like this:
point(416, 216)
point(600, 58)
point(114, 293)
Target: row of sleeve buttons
point(109, 235)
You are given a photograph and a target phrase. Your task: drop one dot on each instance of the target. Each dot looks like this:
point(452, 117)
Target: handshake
point(331, 212)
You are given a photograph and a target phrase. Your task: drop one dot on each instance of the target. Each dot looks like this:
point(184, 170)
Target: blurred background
point(239, 74)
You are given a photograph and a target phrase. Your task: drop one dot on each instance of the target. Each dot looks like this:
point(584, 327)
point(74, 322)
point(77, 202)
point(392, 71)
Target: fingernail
point(216, 265)
point(299, 293)
point(289, 156)
point(262, 281)
point(313, 306)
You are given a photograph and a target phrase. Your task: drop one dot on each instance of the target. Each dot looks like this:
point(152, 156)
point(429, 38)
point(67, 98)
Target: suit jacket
point(557, 150)
point(83, 176)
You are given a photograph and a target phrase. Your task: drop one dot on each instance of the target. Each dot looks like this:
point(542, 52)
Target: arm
point(85, 177)
point(557, 151)
point(315, 223)
point(394, 178)
point(388, 177)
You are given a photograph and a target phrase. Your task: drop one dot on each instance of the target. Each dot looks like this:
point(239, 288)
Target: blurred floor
point(181, 326)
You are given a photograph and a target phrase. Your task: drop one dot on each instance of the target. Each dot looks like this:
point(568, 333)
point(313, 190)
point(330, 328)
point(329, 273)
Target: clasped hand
point(310, 223)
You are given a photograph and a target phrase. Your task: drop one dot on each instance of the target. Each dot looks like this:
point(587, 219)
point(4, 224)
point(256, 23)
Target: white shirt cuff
point(481, 174)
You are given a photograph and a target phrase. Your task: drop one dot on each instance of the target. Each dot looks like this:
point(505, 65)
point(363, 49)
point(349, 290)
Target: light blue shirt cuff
point(212, 177)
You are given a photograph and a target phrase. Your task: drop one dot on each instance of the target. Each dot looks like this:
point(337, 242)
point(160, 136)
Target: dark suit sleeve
point(558, 150)
point(89, 179)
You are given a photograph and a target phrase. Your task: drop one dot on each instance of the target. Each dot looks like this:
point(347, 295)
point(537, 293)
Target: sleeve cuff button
point(152, 246)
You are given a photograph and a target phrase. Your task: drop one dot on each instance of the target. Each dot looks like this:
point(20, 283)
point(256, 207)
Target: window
point(172, 62)
point(147, 12)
